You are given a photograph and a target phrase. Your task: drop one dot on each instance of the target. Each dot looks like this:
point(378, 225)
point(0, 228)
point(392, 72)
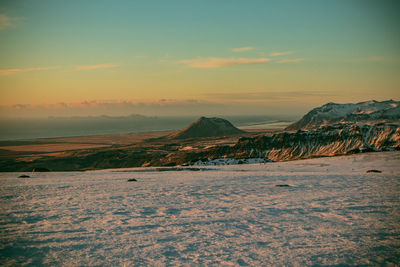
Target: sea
point(50, 127)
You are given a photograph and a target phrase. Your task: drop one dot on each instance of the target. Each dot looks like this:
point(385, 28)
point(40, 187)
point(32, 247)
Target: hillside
point(369, 112)
point(206, 127)
point(326, 141)
point(330, 130)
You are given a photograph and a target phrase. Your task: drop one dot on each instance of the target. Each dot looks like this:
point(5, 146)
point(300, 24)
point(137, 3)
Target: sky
point(225, 57)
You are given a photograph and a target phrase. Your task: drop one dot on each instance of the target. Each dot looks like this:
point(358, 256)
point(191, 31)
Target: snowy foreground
point(332, 213)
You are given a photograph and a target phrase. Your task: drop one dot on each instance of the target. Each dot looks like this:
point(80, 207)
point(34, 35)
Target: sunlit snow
point(332, 212)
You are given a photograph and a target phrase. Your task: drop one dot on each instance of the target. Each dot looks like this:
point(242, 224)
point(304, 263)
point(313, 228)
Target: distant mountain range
point(329, 130)
point(369, 112)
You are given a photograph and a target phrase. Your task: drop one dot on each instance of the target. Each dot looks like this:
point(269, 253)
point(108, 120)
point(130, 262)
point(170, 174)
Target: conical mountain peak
point(206, 127)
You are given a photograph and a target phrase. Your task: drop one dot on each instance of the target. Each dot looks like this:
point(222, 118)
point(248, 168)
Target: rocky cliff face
point(370, 112)
point(326, 141)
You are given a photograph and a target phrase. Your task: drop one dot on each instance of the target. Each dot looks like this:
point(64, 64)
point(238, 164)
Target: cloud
point(165, 58)
point(374, 59)
point(276, 54)
point(113, 104)
point(7, 22)
point(243, 49)
point(20, 106)
point(222, 62)
point(204, 104)
point(294, 60)
point(5, 72)
point(366, 59)
point(266, 97)
point(96, 67)
point(163, 106)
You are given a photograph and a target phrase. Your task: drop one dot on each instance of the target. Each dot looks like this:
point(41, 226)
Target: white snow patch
point(230, 161)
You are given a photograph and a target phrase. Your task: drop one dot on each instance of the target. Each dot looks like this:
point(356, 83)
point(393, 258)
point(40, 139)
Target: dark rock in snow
point(374, 171)
point(24, 176)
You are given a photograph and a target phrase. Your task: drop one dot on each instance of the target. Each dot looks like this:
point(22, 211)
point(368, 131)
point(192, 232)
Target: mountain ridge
point(206, 127)
point(329, 130)
point(326, 141)
point(366, 112)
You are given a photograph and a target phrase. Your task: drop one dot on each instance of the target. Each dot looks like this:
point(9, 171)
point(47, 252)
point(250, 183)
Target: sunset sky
point(195, 57)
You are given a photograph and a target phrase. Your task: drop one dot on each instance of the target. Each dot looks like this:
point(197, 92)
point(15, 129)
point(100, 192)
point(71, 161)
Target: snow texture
point(230, 161)
point(332, 213)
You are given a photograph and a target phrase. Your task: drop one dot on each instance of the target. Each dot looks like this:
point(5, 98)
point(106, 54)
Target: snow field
point(332, 213)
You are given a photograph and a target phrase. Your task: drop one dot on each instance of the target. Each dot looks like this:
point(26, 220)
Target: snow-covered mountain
point(206, 127)
point(362, 113)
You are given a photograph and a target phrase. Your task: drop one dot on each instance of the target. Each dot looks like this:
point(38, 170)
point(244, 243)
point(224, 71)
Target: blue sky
point(71, 51)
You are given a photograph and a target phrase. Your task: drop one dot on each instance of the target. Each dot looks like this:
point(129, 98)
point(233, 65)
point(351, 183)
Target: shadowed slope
point(206, 127)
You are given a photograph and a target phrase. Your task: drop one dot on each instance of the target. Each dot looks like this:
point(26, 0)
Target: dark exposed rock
point(326, 141)
point(132, 180)
point(322, 142)
point(24, 176)
point(170, 164)
point(374, 171)
point(282, 185)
